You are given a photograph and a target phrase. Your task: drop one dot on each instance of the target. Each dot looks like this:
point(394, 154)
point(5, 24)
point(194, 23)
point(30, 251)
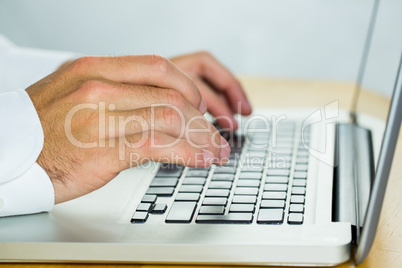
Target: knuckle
point(92, 90)
point(83, 63)
point(160, 64)
point(205, 54)
point(175, 98)
point(170, 116)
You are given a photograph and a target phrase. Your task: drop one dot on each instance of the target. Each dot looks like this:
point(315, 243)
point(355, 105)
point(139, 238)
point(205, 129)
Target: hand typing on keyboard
point(264, 184)
point(97, 112)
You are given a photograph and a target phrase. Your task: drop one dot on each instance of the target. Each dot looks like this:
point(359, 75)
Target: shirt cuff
point(21, 135)
point(31, 192)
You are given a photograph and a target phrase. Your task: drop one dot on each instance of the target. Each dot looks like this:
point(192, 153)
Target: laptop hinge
point(353, 176)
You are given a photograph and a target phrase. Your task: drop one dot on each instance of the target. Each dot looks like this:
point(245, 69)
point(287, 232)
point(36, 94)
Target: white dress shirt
point(24, 186)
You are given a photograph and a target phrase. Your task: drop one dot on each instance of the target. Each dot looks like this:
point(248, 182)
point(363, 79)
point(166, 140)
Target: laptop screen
point(381, 79)
point(381, 66)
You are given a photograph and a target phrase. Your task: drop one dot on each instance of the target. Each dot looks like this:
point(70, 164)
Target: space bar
point(230, 218)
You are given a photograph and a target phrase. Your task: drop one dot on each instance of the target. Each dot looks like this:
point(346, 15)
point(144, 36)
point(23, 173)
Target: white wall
point(297, 39)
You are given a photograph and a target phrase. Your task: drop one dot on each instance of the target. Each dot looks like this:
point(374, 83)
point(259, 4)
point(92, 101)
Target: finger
point(222, 80)
point(216, 106)
point(137, 149)
point(130, 97)
point(189, 125)
point(148, 70)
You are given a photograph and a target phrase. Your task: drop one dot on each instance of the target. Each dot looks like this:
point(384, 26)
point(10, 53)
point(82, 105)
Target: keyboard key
point(259, 167)
point(194, 181)
point(273, 216)
point(220, 185)
point(200, 168)
point(303, 154)
point(277, 179)
point(187, 197)
point(260, 149)
point(160, 191)
point(283, 144)
point(248, 183)
point(250, 175)
point(299, 190)
point(299, 182)
point(272, 203)
point(197, 173)
point(229, 218)
point(159, 209)
point(296, 208)
point(281, 158)
point(295, 218)
point(181, 212)
point(231, 163)
point(190, 189)
point(279, 165)
point(242, 208)
point(225, 170)
point(169, 170)
point(300, 175)
point(244, 199)
point(284, 151)
point(256, 154)
point(246, 191)
point(301, 167)
point(217, 193)
point(276, 187)
point(274, 195)
point(297, 199)
point(164, 182)
point(149, 199)
point(222, 177)
point(215, 201)
point(212, 210)
point(285, 137)
point(139, 217)
point(145, 207)
point(278, 172)
point(302, 160)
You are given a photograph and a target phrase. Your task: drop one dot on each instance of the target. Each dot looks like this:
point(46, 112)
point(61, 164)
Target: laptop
point(301, 187)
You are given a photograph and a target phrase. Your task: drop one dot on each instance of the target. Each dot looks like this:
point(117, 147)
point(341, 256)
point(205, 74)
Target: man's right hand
point(97, 112)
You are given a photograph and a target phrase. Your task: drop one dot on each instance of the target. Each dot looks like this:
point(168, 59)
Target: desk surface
point(387, 248)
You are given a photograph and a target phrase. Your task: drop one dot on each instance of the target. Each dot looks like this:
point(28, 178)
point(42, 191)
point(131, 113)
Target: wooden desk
point(387, 248)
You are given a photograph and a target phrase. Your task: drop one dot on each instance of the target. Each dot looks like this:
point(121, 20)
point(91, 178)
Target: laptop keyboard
point(264, 182)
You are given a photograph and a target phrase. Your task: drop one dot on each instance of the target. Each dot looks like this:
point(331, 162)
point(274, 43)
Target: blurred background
point(304, 39)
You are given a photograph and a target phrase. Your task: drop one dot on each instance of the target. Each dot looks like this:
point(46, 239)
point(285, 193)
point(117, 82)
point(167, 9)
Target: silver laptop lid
point(381, 72)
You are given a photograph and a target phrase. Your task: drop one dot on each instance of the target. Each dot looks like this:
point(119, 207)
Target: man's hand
point(101, 115)
point(220, 89)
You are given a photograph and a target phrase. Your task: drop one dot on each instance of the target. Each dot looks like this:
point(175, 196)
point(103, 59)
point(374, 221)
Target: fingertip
point(225, 151)
point(203, 106)
point(209, 157)
point(247, 111)
point(245, 107)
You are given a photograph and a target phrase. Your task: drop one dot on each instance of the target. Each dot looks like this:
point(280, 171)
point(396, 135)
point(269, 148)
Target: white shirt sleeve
point(24, 186)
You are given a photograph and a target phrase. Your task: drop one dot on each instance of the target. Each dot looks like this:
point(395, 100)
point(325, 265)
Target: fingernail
point(203, 106)
point(208, 157)
point(225, 150)
point(245, 104)
point(248, 103)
